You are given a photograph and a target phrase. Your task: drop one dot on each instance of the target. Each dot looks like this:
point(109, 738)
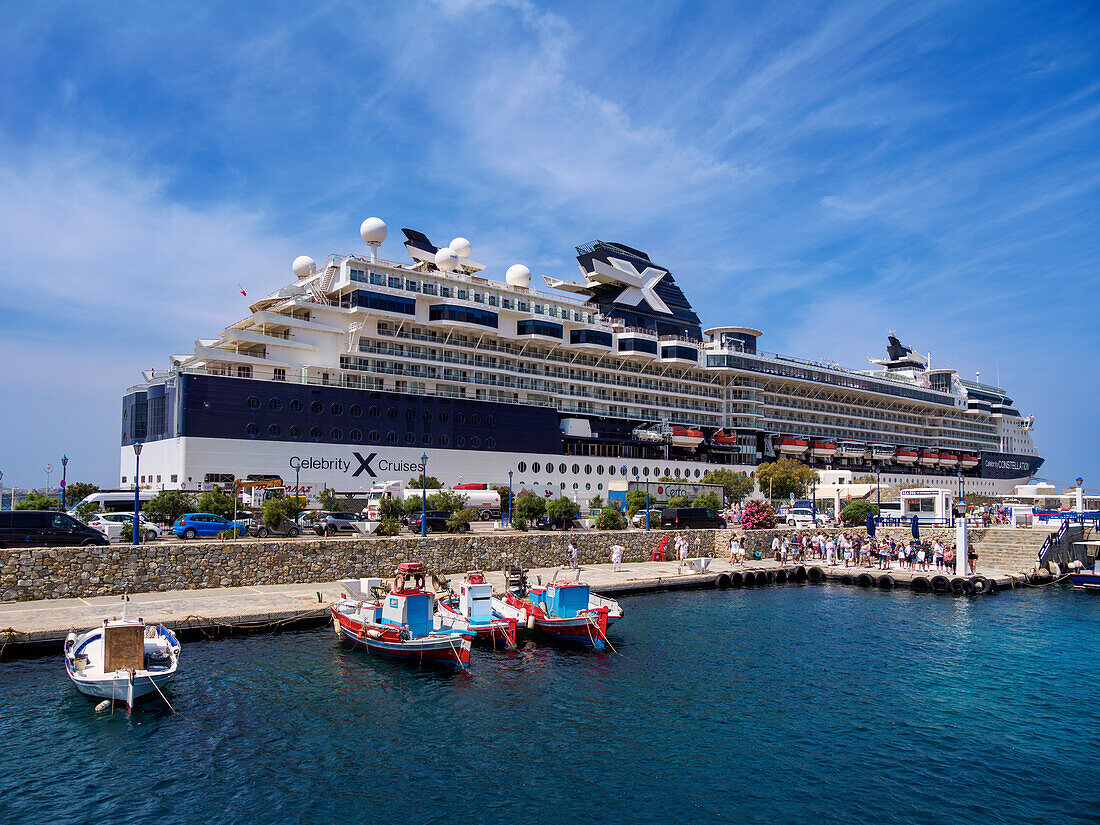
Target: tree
point(168, 506)
point(388, 527)
point(596, 502)
point(505, 497)
point(757, 514)
point(392, 508)
point(529, 506)
point(562, 509)
point(855, 514)
point(610, 518)
point(679, 501)
point(446, 500)
point(635, 501)
point(519, 523)
point(708, 500)
point(737, 485)
point(77, 491)
point(779, 479)
point(413, 506)
point(278, 509)
point(86, 509)
point(327, 499)
point(35, 500)
point(218, 502)
point(430, 483)
point(459, 522)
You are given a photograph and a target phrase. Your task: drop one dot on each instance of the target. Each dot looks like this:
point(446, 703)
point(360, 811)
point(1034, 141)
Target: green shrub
point(388, 527)
point(530, 506)
point(708, 500)
point(35, 500)
point(459, 522)
point(562, 508)
point(447, 500)
point(679, 501)
point(86, 509)
point(226, 535)
point(519, 523)
point(757, 515)
point(610, 518)
point(855, 514)
point(168, 506)
point(391, 509)
point(218, 502)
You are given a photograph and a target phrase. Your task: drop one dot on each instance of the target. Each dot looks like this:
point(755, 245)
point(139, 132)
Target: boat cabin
point(563, 600)
point(475, 598)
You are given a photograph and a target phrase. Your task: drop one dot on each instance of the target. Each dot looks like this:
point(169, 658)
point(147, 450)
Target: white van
point(115, 501)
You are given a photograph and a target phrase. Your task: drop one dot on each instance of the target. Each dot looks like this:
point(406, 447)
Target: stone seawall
point(65, 572)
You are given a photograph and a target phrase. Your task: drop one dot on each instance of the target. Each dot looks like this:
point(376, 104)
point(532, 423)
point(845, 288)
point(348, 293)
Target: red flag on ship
point(241, 288)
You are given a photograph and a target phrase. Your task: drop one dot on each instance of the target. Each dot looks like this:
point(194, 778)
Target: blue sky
point(824, 172)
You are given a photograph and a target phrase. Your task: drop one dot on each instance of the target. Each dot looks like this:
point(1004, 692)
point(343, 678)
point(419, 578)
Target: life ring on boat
point(398, 583)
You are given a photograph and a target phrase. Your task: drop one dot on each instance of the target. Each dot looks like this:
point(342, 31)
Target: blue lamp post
point(813, 497)
point(424, 495)
point(962, 494)
point(647, 503)
point(137, 502)
point(509, 498)
point(64, 466)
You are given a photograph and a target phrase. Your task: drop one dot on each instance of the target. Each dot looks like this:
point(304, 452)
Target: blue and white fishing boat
point(122, 659)
point(471, 609)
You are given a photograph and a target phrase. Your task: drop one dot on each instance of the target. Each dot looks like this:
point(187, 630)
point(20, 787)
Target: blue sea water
point(823, 704)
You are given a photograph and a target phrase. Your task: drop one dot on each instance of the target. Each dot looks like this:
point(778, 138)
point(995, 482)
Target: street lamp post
point(297, 492)
point(64, 468)
point(509, 498)
point(48, 469)
point(878, 488)
point(813, 499)
point(137, 502)
point(2, 491)
point(424, 495)
point(647, 504)
point(1080, 495)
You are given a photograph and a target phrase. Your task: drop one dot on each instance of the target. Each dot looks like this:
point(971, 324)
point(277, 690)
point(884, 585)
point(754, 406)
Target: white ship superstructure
point(362, 367)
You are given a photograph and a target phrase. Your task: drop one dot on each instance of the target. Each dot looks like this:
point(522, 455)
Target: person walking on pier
point(949, 558)
point(572, 555)
point(737, 552)
point(617, 557)
point(972, 559)
point(681, 552)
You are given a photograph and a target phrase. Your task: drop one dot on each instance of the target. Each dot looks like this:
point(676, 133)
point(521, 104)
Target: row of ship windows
point(536, 467)
point(355, 436)
point(356, 411)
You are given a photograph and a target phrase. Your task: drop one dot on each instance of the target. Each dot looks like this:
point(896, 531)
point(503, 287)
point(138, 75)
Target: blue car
point(192, 525)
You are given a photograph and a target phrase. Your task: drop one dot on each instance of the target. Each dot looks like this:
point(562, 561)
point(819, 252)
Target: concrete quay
point(41, 626)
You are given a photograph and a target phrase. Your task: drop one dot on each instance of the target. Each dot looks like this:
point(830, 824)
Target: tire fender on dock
point(799, 574)
point(920, 584)
point(780, 576)
point(847, 579)
point(749, 579)
point(737, 580)
point(980, 586)
point(941, 584)
point(886, 582)
point(816, 574)
point(864, 580)
point(722, 582)
point(960, 585)
point(770, 574)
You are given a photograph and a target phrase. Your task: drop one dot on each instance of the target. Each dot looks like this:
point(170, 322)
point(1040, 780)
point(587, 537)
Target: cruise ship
point(363, 369)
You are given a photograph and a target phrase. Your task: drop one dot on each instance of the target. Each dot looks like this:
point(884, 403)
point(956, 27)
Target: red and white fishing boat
point(822, 449)
point(566, 611)
point(685, 437)
point(471, 609)
point(906, 455)
point(723, 438)
point(400, 623)
point(948, 459)
point(884, 452)
point(853, 450)
point(792, 445)
point(967, 461)
point(929, 457)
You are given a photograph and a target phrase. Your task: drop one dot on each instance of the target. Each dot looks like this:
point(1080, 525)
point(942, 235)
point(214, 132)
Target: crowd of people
point(854, 550)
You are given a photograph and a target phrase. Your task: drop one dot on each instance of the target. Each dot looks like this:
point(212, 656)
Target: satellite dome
point(446, 259)
point(373, 231)
point(518, 275)
point(303, 266)
point(461, 246)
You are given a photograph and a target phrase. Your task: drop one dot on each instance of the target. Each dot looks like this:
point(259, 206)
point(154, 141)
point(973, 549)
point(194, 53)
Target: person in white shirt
point(617, 556)
point(572, 555)
point(737, 552)
point(683, 554)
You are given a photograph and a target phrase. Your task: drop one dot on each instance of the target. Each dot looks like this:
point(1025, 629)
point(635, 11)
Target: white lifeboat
point(853, 450)
point(883, 452)
point(685, 437)
point(968, 462)
point(929, 457)
point(948, 459)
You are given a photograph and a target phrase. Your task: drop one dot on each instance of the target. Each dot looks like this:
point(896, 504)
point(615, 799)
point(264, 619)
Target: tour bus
point(115, 501)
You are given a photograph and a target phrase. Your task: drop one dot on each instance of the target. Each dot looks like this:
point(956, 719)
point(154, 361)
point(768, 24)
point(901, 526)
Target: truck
point(486, 503)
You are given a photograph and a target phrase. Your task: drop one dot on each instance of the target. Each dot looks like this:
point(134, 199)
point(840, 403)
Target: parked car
point(330, 523)
point(802, 517)
point(686, 518)
point(45, 528)
point(544, 522)
point(286, 527)
point(120, 526)
point(654, 518)
point(437, 522)
point(192, 525)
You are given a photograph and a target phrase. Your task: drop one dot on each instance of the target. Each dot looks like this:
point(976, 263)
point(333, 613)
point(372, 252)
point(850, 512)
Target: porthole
point(336, 434)
point(295, 405)
point(491, 421)
point(521, 467)
point(252, 429)
point(315, 433)
point(576, 469)
point(460, 418)
point(535, 467)
point(316, 407)
point(490, 443)
point(588, 469)
point(460, 441)
point(336, 409)
point(356, 411)
point(444, 416)
point(475, 442)
point(391, 412)
point(668, 472)
point(562, 469)
point(697, 474)
point(576, 486)
point(599, 469)
point(372, 436)
point(599, 486)
point(588, 486)
point(295, 431)
point(677, 472)
point(391, 437)
point(427, 416)
point(475, 420)
point(611, 469)
point(427, 439)
point(410, 438)
point(355, 436)
point(253, 402)
point(275, 404)
point(373, 412)
point(274, 431)
point(444, 440)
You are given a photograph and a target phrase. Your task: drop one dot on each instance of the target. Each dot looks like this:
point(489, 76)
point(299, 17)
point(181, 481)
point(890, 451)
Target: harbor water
point(825, 704)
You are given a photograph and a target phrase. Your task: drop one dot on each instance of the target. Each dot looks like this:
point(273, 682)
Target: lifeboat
point(853, 450)
point(723, 438)
point(948, 459)
point(929, 457)
point(906, 455)
point(790, 445)
point(822, 449)
point(648, 436)
point(882, 452)
point(685, 437)
point(968, 462)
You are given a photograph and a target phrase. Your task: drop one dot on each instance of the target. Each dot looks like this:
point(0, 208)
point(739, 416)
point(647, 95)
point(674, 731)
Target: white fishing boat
point(122, 659)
